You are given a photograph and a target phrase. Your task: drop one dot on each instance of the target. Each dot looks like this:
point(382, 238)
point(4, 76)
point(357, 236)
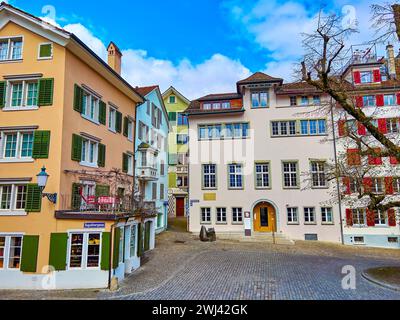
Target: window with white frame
point(392, 125)
point(221, 215)
point(284, 128)
point(237, 215)
point(327, 215)
point(209, 176)
point(12, 197)
point(313, 127)
point(112, 119)
point(11, 48)
point(84, 250)
point(380, 218)
point(366, 76)
point(290, 175)
point(260, 99)
point(368, 101)
point(205, 215)
point(16, 145)
point(143, 132)
point(262, 175)
point(182, 181)
point(358, 217)
point(377, 185)
point(130, 130)
point(309, 215)
point(223, 131)
point(130, 164)
point(89, 152)
point(292, 215)
point(10, 251)
point(293, 101)
point(318, 174)
point(183, 159)
point(22, 94)
point(389, 99)
point(396, 185)
point(90, 106)
point(172, 99)
point(235, 176)
point(88, 190)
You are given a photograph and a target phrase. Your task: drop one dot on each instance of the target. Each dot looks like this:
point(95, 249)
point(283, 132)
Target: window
point(358, 217)
point(45, 51)
point(396, 185)
point(22, 94)
point(182, 120)
point(143, 132)
point(359, 240)
point(393, 239)
point(260, 99)
point(304, 101)
point(313, 127)
point(226, 105)
point(132, 242)
point(172, 99)
point(284, 128)
point(235, 176)
point(182, 181)
point(292, 216)
point(12, 197)
point(84, 251)
point(156, 116)
point(112, 119)
point(223, 131)
point(237, 215)
point(205, 215)
point(326, 215)
point(317, 100)
point(366, 76)
point(293, 101)
point(182, 138)
point(209, 176)
point(90, 106)
point(10, 49)
point(354, 185)
point(368, 101)
point(121, 246)
point(392, 125)
point(380, 218)
point(162, 168)
point(10, 252)
point(16, 145)
point(389, 99)
point(89, 152)
point(221, 215)
point(309, 215)
point(206, 106)
point(377, 185)
point(290, 175)
point(262, 175)
point(318, 174)
point(216, 106)
point(182, 159)
point(130, 130)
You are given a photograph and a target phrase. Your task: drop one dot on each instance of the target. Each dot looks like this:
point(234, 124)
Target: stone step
point(255, 237)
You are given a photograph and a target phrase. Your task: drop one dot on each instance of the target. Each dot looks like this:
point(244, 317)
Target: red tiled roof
point(146, 90)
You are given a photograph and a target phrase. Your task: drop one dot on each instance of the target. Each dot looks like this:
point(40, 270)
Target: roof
point(259, 77)
point(172, 89)
point(296, 88)
point(221, 96)
point(144, 91)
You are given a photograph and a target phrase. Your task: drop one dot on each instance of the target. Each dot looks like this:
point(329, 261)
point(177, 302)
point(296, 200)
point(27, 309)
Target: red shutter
point(398, 98)
point(367, 182)
point(361, 129)
point(382, 126)
point(392, 217)
point(377, 75)
point(346, 183)
point(342, 127)
point(375, 160)
point(357, 77)
point(370, 218)
point(380, 102)
point(393, 160)
point(389, 185)
point(359, 102)
point(349, 217)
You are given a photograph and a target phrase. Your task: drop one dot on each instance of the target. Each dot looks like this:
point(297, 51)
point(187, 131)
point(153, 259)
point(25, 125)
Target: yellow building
point(65, 110)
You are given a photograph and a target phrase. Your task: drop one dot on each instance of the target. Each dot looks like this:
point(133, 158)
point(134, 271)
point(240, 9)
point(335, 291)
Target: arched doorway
point(264, 217)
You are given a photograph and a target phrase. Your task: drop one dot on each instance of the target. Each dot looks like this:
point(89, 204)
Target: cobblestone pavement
point(181, 267)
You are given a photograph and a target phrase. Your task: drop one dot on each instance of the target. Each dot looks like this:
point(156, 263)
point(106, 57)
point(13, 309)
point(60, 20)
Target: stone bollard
point(114, 284)
point(203, 234)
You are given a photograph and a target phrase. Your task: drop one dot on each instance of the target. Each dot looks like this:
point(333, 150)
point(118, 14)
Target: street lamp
point(42, 178)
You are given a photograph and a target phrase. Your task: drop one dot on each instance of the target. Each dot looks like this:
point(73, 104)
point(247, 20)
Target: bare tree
point(386, 22)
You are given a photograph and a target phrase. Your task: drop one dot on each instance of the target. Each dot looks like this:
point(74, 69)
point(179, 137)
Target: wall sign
point(94, 225)
point(247, 224)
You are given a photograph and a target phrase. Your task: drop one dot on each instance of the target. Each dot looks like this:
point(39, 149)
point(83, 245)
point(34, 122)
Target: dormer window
point(10, 49)
point(259, 99)
point(366, 76)
point(172, 99)
point(216, 105)
point(207, 106)
point(226, 105)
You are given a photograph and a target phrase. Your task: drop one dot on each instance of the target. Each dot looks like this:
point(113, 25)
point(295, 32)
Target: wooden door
point(264, 218)
point(147, 230)
point(180, 207)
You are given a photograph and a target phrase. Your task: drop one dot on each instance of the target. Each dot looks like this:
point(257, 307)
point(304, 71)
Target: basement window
point(358, 240)
point(393, 239)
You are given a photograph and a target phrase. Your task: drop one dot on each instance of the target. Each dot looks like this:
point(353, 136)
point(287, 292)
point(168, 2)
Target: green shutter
point(30, 248)
point(58, 251)
point(125, 161)
point(76, 151)
point(41, 144)
point(102, 190)
point(172, 116)
point(126, 120)
point(75, 196)
point(105, 250)
point(140, 240)
point(33, 198)
point(3, 85)
point(78, 98)
point(46, 88)
point(101, 156)
point(117, 235)
point(172, 180)
point(118, 123)
point(45, 50)
point(102, 112)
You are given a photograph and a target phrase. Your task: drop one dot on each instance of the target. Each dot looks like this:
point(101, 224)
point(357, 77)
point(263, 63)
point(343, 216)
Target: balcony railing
point(147, 173)
point(360, 54)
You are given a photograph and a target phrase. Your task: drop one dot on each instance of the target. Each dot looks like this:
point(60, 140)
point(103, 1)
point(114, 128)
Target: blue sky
point(198, 46)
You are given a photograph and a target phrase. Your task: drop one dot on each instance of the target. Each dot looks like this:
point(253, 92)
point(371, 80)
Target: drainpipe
point(337, 178)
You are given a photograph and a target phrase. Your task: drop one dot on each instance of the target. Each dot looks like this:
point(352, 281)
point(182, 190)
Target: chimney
point(114, 57)
point(391, 64)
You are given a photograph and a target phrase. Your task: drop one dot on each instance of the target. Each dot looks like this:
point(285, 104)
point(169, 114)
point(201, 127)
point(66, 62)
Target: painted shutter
point(126, 126)
point(101, 156)
point(172, 116)
point(78, 98)
point(367, 182)
point(102, 112)
point(46, 88)
point(353, 157)
point(342, 128)
point(377, 75)
point(370, 218)
point(30, 248)
point(58, 251)
point(76, 196)
point(380, 102)
point(392, 217)
point(359, 102)
point(105, 250)
point(76, 150)
point(117, 235)
point(382, 126)
point(3, 86)
point(140, 240)
point(102, 190)
point(118, 123)
point(361, 129)
point(41, 144)
point(393, 160)
point(389, 185)
point(33, 198)
point(375, 160)
point(172, 180)
point(346, 183)
point(349, 217)
point(398, 98)
point(125, 163)
point(357, 77)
